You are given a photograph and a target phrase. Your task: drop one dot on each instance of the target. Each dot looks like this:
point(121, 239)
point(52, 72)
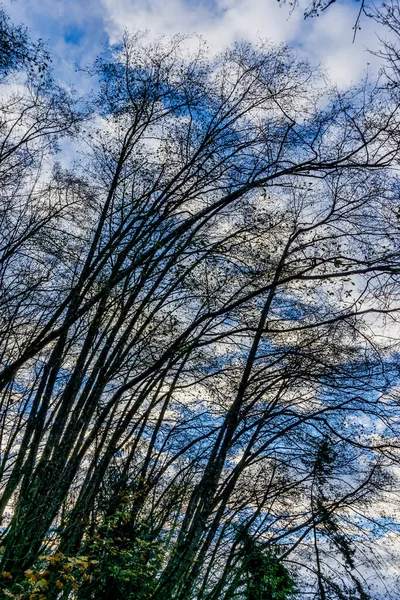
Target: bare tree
point(187, 353)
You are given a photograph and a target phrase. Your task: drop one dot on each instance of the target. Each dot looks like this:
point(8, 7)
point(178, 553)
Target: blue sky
point(76, 30)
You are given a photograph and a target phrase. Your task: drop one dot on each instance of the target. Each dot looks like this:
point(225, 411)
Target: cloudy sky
point(76, 30)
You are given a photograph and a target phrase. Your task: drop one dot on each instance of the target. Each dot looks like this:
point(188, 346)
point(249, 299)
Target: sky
point(77, 30)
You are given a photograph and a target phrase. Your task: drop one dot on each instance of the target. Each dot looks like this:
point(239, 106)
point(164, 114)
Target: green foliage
point(129, 559)
point(267, 578)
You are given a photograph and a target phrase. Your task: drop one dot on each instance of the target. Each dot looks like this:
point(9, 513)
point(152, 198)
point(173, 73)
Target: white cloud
point(327, 40)
point(220, 23)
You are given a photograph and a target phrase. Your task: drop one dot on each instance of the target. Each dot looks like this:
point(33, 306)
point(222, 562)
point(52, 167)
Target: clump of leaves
point(266, 577)
point(17, 51)
point(52, 574)
point(129, 558)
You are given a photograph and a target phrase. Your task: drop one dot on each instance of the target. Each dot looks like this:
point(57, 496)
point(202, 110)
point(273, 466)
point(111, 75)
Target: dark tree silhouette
point(198, 376)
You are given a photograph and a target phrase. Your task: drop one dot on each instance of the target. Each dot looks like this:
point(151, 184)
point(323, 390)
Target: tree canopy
point(198, 327)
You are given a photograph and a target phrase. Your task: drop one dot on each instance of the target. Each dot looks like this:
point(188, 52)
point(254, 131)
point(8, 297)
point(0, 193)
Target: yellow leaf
point(43, 583)
point(59, 584)
point(44, 574)
point(6, 575)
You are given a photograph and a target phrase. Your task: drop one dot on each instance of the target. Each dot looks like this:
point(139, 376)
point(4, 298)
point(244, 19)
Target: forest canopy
point(199, 325)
